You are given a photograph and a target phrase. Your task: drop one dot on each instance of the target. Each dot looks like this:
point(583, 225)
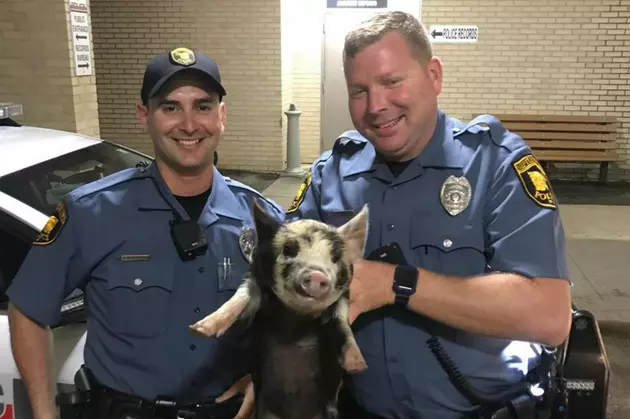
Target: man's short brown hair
point(377, 26)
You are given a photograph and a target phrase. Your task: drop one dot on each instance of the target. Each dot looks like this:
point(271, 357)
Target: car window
point(42, 186)
point(14, 246)
point(13, 250)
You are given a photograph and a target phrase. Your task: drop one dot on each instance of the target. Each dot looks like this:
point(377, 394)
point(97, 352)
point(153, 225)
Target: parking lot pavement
point(598, 250)
point(284, 190)
point(616, 335)
point(599, 271)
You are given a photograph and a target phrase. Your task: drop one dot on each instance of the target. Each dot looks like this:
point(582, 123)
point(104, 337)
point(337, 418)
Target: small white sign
point(80, 23)
point(454, 33)
point(78, 6)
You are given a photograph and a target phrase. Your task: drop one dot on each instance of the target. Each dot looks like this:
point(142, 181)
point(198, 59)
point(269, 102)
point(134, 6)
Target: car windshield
point(42, 186)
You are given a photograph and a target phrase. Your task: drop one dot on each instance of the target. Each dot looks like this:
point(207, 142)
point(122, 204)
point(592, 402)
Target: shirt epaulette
point(232, 183)
point(350, 141)
point(499, 135)
point(107, 182)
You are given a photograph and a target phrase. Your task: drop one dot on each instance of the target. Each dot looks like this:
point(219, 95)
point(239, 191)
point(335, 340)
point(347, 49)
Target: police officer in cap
point(155, 249)
point(465, 282)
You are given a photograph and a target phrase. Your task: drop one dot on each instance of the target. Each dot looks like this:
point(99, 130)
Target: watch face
point(406, 276)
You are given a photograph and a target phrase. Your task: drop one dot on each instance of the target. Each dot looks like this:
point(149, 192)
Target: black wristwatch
point(405, 281)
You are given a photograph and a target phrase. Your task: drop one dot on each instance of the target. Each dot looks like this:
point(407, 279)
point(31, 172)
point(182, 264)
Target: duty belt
point(112, 404)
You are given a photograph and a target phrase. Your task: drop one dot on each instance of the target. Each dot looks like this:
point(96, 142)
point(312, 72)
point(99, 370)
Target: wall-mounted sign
point(357, 4)
point(80, 32)
point(454, 33)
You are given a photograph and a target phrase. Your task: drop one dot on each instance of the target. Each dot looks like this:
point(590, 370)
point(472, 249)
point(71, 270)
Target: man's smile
point(386, 127)
point(188, 142)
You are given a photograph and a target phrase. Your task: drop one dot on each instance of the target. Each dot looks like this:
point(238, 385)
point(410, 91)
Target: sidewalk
point(598, 246)
point(283, 190)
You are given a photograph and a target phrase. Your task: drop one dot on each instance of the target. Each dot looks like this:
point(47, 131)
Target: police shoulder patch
point(535, 181)
point(299, 196)
point(54, 225)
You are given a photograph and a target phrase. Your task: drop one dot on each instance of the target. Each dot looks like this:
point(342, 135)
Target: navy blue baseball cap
point(164, 66)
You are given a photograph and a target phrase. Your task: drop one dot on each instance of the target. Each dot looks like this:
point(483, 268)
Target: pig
point(294, 300)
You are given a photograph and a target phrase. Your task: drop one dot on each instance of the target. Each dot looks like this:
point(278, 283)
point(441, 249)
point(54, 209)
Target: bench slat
point(555, 118)
point(575, 155)
point(567, 136)
point(575, 145)
point(573, 127)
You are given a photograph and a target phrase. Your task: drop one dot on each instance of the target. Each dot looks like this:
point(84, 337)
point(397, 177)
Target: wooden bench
point(567, 138)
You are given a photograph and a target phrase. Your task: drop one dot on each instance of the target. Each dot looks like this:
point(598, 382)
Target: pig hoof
point(353, 360)
point(215, 324)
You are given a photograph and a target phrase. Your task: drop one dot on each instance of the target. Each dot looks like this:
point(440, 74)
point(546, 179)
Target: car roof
point(25, 146)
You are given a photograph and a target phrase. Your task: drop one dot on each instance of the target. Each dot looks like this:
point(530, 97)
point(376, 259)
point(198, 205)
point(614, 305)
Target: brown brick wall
point(35, 62)
point(307, 67)
point(540, 57)
point(286, 58)
point(244, 38)
point(37, 68)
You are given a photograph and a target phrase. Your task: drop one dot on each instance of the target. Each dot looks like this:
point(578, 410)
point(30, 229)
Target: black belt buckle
point(165, 408)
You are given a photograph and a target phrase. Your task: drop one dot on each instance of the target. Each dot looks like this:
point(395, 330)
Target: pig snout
point(316, 284)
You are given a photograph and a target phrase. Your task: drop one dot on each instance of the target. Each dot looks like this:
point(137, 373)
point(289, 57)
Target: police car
point(38, 166)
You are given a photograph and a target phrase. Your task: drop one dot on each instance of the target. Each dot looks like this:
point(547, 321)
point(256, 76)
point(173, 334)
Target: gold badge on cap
point(246, 242)
point(455, 194)
point(183, 56)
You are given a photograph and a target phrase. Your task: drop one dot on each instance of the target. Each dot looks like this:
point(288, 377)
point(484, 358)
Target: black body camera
point(188, 238)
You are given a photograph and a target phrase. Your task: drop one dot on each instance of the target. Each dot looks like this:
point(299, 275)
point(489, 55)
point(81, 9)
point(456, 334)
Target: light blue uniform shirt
point(510, 225)
point(141, 297)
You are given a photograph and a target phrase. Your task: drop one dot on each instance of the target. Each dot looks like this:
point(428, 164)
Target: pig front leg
point(352, 358)
point(243, 304)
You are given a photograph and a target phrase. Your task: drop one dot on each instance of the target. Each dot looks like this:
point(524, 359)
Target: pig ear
point(354, 233)
point(266, 225)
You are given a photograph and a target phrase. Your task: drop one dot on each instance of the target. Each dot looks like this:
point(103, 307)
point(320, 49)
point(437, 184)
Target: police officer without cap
point(475, 217)
point(134, 242)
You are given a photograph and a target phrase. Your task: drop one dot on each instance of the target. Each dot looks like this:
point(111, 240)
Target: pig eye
point(291, 249)
point(335, 254)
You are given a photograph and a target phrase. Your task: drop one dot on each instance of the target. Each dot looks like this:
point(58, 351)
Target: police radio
point(585, 368)
point(188, 238)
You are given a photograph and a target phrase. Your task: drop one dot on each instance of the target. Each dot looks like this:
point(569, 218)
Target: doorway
point(335, 117)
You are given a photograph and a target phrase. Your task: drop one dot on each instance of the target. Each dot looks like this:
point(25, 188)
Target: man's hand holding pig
point(371, 287)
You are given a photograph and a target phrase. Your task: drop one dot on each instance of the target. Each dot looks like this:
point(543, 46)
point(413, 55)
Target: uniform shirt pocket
point(454, 248)
point(139, 297)
point(231, 272)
